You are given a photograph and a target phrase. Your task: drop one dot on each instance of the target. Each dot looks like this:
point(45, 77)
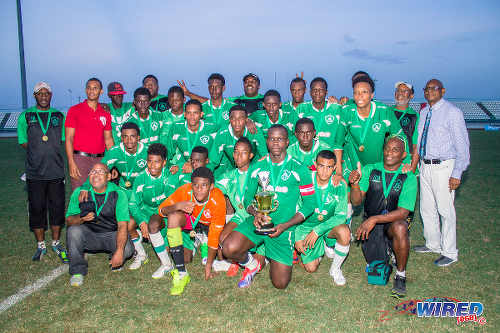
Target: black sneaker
point(399, 287)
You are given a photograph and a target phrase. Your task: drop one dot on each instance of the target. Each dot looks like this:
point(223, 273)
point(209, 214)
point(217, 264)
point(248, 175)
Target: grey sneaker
point(399, 287)
point(422, 249)
point(76, 280)
point(444, 261)
point(40, 252)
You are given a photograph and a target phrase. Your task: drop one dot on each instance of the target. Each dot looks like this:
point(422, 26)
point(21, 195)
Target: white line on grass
point(28, 290)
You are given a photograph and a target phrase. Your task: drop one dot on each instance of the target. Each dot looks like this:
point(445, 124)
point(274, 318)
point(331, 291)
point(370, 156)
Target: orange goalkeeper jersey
point(213, 216)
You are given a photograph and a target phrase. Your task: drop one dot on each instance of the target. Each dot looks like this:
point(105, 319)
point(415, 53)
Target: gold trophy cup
point(265, 204)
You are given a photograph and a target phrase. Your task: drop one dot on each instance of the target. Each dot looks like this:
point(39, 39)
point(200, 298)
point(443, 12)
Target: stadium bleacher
point(472, 112)
point(493, 107)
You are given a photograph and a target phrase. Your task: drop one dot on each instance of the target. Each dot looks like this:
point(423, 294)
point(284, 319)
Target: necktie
point(423, 141)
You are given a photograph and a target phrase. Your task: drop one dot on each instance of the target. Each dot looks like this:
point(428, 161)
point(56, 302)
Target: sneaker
point(338, 277)
point(138, 262)
point(399, 287)
point(162, 271)
point(422, 249)
point(61, 253)
point(444, 261)
point(178, 283)
point(329, 251)
point(221, 265)
point(76, 280)
point(248, 275)
point(233, 269)
point(39, 254)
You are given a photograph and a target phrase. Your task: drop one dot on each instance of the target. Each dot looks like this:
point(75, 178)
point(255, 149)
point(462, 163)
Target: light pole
point(21, 54)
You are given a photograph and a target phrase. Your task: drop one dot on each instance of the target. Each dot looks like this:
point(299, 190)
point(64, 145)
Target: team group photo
point(249, 202)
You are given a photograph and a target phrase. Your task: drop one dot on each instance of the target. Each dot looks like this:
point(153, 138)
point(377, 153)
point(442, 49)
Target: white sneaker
point(329, 251)
point(138, 261)
point(162, 271)
point(338, 277)
point(221, 265)
point(76, 280)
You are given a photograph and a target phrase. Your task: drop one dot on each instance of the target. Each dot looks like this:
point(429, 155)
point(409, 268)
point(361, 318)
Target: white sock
point(250, 262)
point(182, 274)
point(138, 246)
point(341, 252)
point(55, 242)
point(402, 274)
point(159, 246)
point(41, 244)
point(229, 217)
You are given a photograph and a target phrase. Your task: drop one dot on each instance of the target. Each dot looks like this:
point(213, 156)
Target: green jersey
point(367, 135)
point(263, 122)
point(170, 119)
point(217, 115)
point(150, 127)
point(118, 118)
point(234, 183)
point(307, 158)
point(148, 193)
point(129, 166)
point(288, 107)
point(331, 206)
point(289, 180)
point(181, 138)
point(224, 146)
point(326, 121)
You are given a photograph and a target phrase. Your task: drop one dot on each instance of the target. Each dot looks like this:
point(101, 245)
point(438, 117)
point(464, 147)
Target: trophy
point(265, 204)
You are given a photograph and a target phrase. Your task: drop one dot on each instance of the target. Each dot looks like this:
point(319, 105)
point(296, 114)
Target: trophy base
point(266, 230)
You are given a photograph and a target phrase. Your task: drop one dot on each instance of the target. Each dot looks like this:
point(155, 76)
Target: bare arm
point(108, 140)
point(77, 220)
point(73, 169)
point(396, 215)
point(414, 158)
point(188, 93)
point(24, 145)
point(121, 239)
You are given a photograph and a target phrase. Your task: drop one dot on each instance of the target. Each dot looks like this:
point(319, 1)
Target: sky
point(67, 42)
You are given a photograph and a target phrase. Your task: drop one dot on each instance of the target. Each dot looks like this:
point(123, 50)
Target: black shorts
point(43, 196)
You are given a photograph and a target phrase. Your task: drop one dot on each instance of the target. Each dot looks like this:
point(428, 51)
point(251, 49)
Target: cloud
point(378, 58)
point(349, 39)
point(402, 42)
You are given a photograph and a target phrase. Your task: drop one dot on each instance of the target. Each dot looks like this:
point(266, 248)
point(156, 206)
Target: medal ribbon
point(42, 126)
point(319, 201)
point(202, 209)
point(387, 190)
point(196, 138)
point(273, 180)
point(99, 209)
point(404, 114)
point(367, 123)
point(142, 122)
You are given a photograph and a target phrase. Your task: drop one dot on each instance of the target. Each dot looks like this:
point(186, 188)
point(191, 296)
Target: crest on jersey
point(286, 174)
point(397, 185)
point(204, 139)
point(207, 214)
point(162, 106)
point(103, 120)
point(376, 127)
point(154, 125)
point(376, 178)
point(329, 119)
point(225, 115)
point(141, 163)
point(55, 121)
point(405, 121)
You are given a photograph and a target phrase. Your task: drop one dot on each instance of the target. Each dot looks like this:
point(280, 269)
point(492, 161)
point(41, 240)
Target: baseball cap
point(116, 88)
point(40, 85)
point(251, 75)
point(409, 86)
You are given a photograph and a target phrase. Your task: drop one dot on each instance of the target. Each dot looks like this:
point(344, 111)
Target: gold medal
point(320, 217)
point(361, 148)
point(240, 206)
point(45, 138)
point(192, 233)
point(128, 184)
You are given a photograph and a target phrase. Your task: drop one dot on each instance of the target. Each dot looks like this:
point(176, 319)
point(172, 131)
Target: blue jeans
point(79, 238)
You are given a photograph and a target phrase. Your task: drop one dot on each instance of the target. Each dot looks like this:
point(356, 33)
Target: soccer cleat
point(233, 269)
point(162, 271)
point(329, 251)
point(76, 280)
point(40, 252)
point(178, 283)
point(338, 277)
point(422, 249)
point(248, 275)
point(399, 287)
point(444, 261)
point(61, 253)
point(138, 262)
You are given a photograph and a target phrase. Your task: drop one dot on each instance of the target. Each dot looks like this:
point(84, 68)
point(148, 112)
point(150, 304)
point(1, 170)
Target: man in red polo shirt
point(88, 134)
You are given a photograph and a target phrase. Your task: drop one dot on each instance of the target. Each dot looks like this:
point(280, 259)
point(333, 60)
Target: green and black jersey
point(159, 103)
point(44, 159)
point(408, 119)
point(251, 104)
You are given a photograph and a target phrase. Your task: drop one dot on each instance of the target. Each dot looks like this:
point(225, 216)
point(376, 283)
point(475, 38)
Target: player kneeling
point(193, 203)
point(327, 224)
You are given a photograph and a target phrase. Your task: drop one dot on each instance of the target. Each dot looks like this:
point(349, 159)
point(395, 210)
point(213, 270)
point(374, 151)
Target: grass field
point(131, 301)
